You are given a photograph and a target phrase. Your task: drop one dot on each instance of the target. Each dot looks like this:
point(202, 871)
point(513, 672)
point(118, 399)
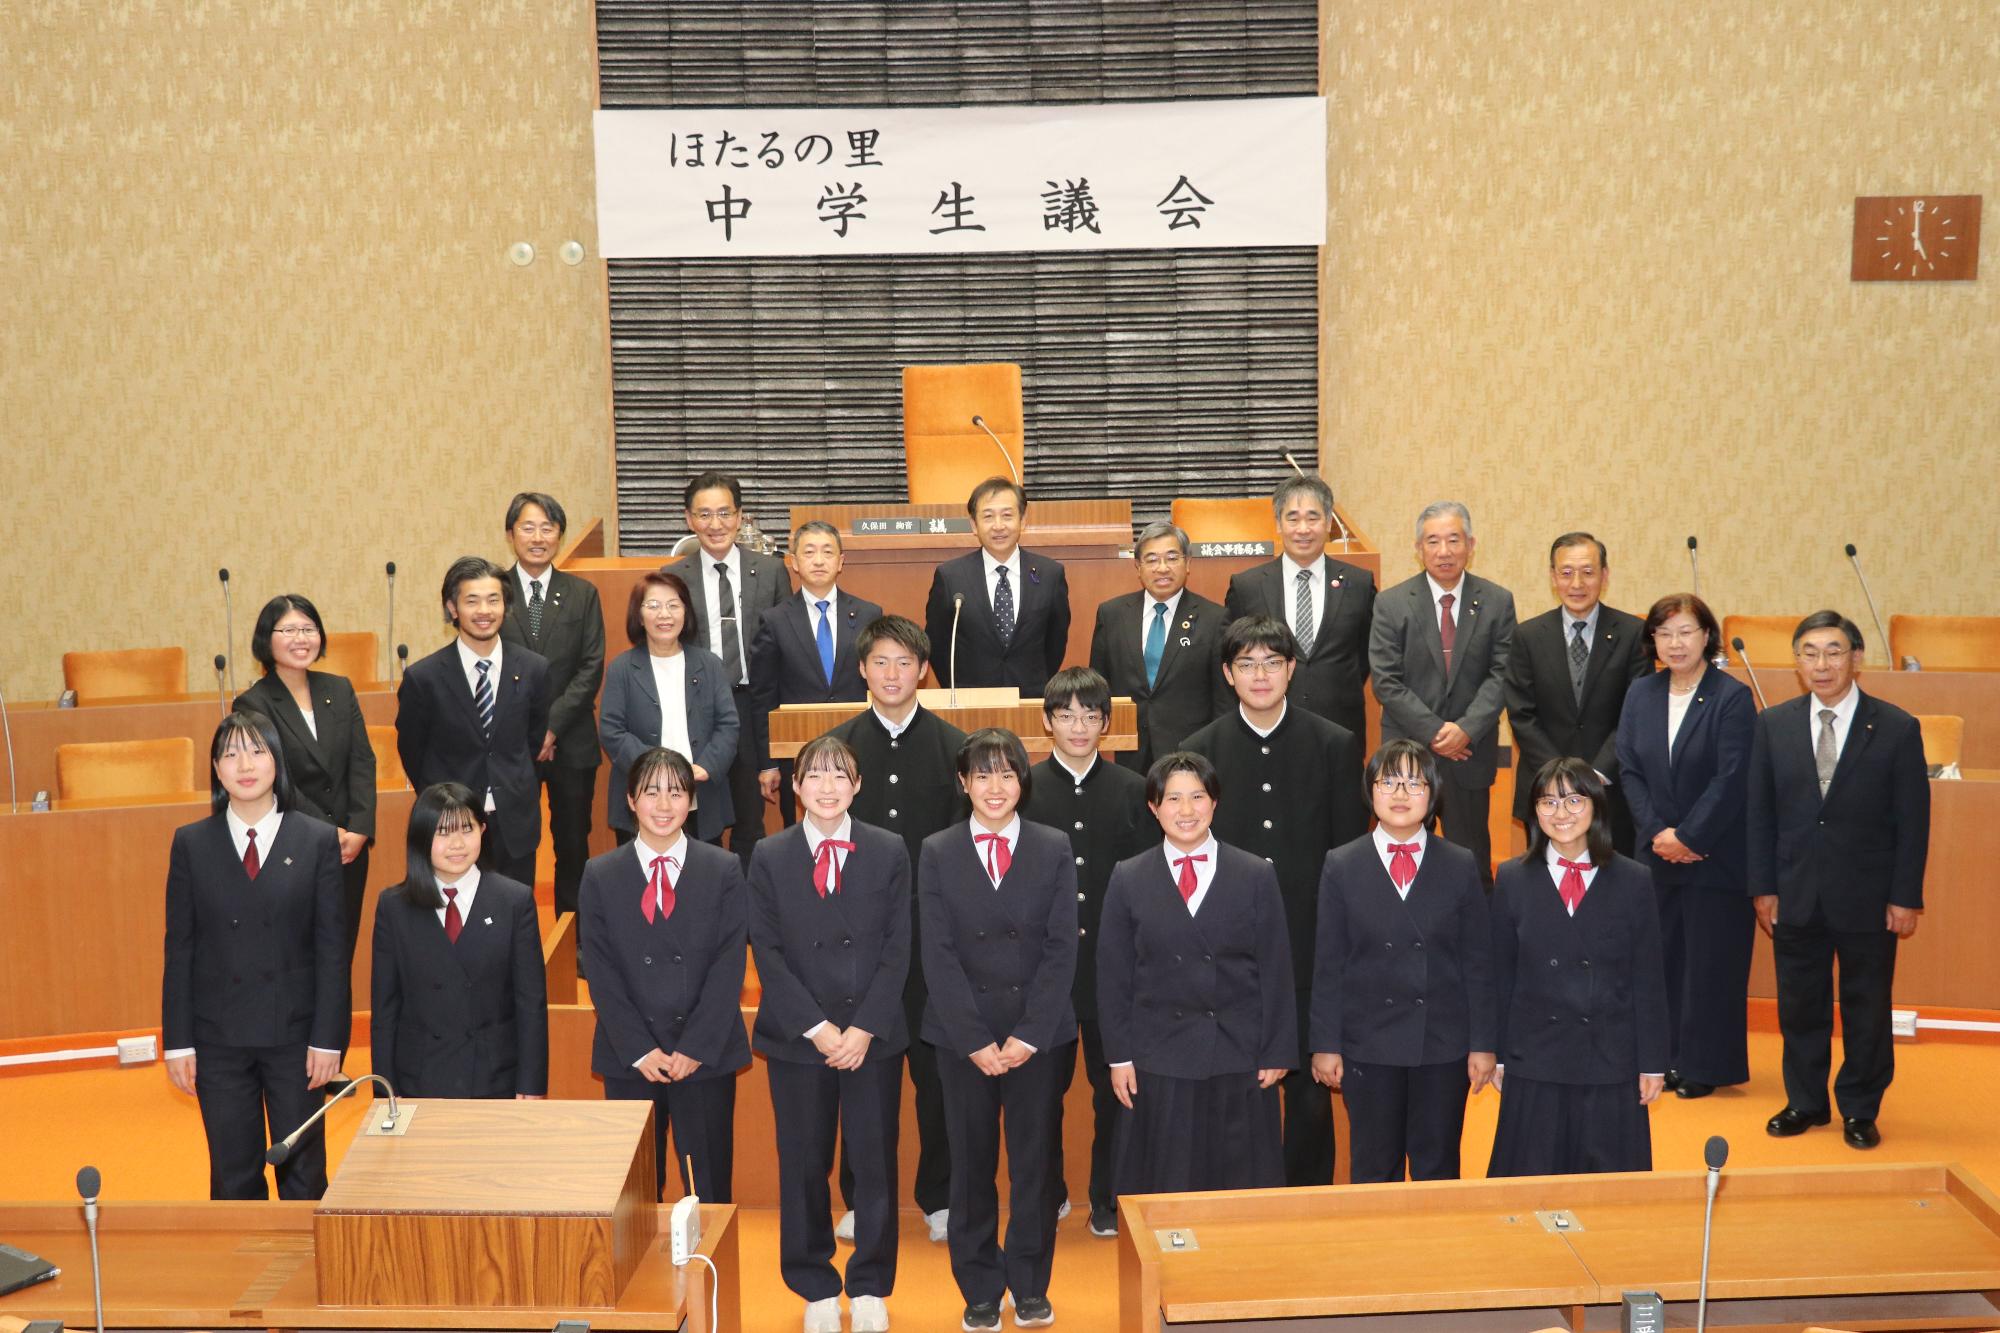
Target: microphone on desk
point(402, 658)
point(280, 1151)
point(390, 636)
point(228, 623)
point(1750, 671)
point(88, 1183)
point(1882, 635)
point(980, 422)
point(13, 784)
point(1694, 566)
point(220, 697)
point(957, 605)
point(1715, 1153)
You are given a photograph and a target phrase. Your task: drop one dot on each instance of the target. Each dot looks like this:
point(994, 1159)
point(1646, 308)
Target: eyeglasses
point(536, 529)
point(722, 515)
point(1573, 802)
point(1681, 635)
point(297, 631)
point(1087, 717)
point(1831, 656)
point(656, 608)
point(1391, 786)
point(1159, 561)
point(1259, 666)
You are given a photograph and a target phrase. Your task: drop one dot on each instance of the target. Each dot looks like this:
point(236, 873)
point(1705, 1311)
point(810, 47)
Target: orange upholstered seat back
point(119, 770)
point(945, 454)
point(1944, 643)
point(355, 655)
point(125, 673)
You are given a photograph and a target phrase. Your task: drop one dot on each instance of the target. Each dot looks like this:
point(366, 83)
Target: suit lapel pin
point(1187, 624)
point(1333, 583)
point(489, 920)
point(1185, 641)
point(288, 860)
point(1034, 575)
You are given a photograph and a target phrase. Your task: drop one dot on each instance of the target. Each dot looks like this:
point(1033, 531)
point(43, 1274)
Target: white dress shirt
point(1012, 833)
point(467, 887)
point(1843, 719)
point(1439, 592)
point(1148, 612)
point(894, 728)
point(845, 833)
point(1204, 871)
point(1077, 775)
point(992, 567)
point(1382, 840)
point(670, 682)
point(469, 661)
point(1317, 582)
point(527, 591)
point(1677, 711)
point(311, 725)
point(1283, 708)
point(1556, 873)
point(713, 630)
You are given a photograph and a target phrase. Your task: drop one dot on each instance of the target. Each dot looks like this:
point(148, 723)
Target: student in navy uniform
point(909, 785)
point(1582, 1035)
point(1012, 604)
point(998, 901)
point(830, 924)
point(1194, 976)
point(460, 1000)
point(253, 994)
point(665, 948)
point(1294, 784)
point(1402, 1013)
point(1102, 808)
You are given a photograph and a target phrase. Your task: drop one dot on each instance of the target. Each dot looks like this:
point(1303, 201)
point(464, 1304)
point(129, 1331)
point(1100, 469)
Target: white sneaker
point(868, 1314)
point(844, 1228)
point(1063, 1210)
point(938, 1222)
point(823, 1316)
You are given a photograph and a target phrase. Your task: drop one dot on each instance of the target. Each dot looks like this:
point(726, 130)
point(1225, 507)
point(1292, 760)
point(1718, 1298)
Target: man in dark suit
point(1437, 653)
point(558, 616)
point(477, 713)
point(1161, 647)
point(803, 652)
point(1012, 603)
point(732, 590)
point(1839, 831)
point(1326, 602)
point(1567, 675)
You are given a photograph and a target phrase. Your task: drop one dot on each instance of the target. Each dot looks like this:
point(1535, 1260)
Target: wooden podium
point(792, 725)
point(490, 1204)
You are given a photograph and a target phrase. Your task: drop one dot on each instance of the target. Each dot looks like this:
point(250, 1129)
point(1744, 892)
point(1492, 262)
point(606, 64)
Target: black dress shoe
point(1790, 1122)
point(1673, 1080)
point(1860, 1133)
point(1692, 1090)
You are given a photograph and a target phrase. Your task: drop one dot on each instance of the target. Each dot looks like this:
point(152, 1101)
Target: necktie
point(824, 636)
point(535, 608)
point(725, 612)
point(1156, 643)
point(482, 699)
point(1447, 629)
point(1185, 881)
point(1571, 887)
point(826, 870)
point(1003, 609)
point(1579, 658)
point(1825, 755)
point(998, 858)
point(1403, 863)
point(660, 889)
point(250, 862)
point(1302, 612)
point(453, 922)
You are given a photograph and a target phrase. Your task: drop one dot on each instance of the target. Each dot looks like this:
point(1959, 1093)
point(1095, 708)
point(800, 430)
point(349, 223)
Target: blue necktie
point(825, 638)
point(1156, 643)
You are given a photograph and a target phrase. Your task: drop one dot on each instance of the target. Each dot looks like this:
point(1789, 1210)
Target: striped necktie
point(482, 698)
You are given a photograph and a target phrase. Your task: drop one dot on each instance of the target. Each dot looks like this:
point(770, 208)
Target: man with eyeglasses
point(1159, 647)
point(731, 591)
point(1839, 832)
point(1437, 654)
point(1291, 793)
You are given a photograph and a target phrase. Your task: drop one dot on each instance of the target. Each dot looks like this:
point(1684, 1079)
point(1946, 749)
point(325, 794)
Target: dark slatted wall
point(1146, 373)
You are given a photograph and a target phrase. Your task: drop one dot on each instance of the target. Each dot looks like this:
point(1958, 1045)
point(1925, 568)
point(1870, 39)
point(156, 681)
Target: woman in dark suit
point(460, 999)
point(254, 990)
point(1581, 991)
point(1684, 757)
point(323, 735)
point(667, 690)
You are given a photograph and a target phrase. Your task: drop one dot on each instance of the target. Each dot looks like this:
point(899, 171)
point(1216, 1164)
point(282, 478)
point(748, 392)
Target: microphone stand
point(980, 422)
point(282, 1149)
point(1346, 537)
point(1750, 671)
point(1707, 1225)
point(957, 605)
point(221, 699)
point(88, 1182)
point(229, 626)
point(391, 637)
point(1873, 612)
point(13, 782)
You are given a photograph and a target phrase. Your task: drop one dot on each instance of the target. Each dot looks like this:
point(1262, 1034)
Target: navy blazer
point(675, 984)
point(439, 738)
point(1189, 691)
point(1406, 662)
point(1402, 981)
point(1196, 996)
point(1330, 678)
point(1041, 624)
point(255, 962)
point(630, 723)
point(332, 772)
point(841, 959)
point(1700, 788)
point(998, 962)
point(469, 1019)
point(1582, 999)
point(1864, 845)
point(784, 659)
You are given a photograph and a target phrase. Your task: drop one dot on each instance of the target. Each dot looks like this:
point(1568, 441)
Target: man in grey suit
point(1437, 653)
point(731, 591)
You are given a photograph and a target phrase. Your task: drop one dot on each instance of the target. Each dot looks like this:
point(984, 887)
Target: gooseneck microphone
point(957, 605)
point(13, 785)
point(402, 658)
point(980, 422)
point(282, 1149)
point(88, 1183)
point(1715, 1153)
point(221, 698)
point(228, 624)
point(1750, 671)
point(1694, 566)
point(390, 637)
point(1874, 612)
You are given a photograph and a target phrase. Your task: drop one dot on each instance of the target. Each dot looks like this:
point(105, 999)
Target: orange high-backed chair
point(124, 770)
point(126, 673)
point(1246, 520)
point(1945, 643)
point(1944, 738)
point(1768, 639)
point(944, 453)
point(389, 774)
point(353, 655)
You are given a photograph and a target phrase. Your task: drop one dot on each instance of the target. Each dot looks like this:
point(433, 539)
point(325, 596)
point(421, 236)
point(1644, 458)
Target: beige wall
point(1587, 267)
point(256, 311)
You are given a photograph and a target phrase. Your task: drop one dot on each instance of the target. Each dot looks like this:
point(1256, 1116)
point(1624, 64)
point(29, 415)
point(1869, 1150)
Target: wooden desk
point(1419, 1250)
point(251, 1265)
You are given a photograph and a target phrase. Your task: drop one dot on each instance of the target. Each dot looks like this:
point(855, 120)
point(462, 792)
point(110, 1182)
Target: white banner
point(851, 180)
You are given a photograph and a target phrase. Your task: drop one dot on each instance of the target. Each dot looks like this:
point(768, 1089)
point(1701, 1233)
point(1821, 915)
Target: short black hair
point(826, 751)
point(1401, 757)
point(989, 486)
point(247, 724)
point(1081, 684)
point(1570, 774)
point(671, 767)
point(440, 805)
point(1249, 632)
point(820, 527)
point(1181, 761)
point(541, 500)
point(708, 481)
point(899, 630)
point(1578, 539)
point(463, 571)
point(1675, 603)
point(1316, 487)
point(267, 623)
point(991, 749)
point(1828, 620)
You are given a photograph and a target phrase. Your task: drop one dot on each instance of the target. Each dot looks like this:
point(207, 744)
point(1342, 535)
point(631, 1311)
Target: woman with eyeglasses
point(1581, 992)
point(1684, 743)
point(323, 735)
point(1402, 1002)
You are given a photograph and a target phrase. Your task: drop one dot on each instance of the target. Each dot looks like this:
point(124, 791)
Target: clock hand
point(1917, 228)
